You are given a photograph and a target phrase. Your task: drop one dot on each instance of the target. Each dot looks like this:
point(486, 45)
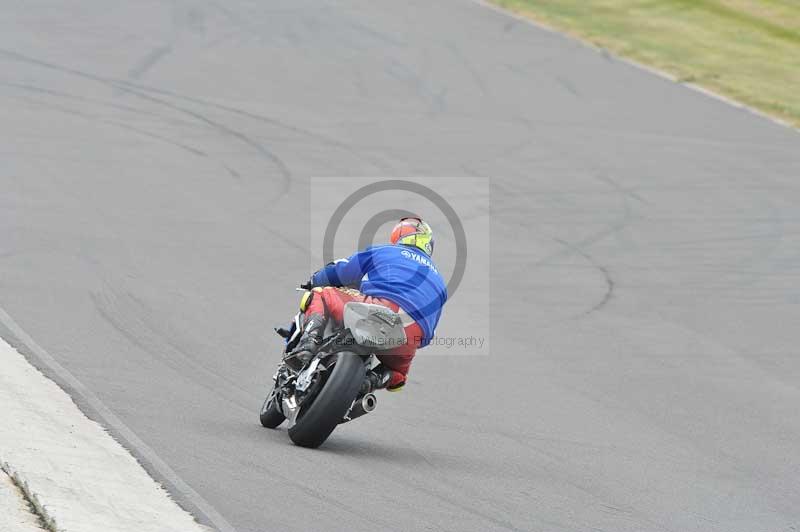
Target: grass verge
point(748, 50)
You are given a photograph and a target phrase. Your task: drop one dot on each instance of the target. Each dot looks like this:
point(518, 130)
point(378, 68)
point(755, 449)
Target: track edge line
point(636, 64)
point(93, 408)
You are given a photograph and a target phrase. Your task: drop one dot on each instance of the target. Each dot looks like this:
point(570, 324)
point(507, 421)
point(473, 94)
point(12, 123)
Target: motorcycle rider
point(400, 276)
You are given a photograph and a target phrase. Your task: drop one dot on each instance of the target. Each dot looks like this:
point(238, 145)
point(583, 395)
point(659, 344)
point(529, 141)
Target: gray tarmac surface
point(645, 271)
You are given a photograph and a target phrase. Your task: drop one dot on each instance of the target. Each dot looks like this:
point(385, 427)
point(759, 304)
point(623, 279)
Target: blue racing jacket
point(402, 274)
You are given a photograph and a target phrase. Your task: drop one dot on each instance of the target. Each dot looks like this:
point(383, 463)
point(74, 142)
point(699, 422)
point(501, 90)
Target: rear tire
point(270, 416)
point(331, 404)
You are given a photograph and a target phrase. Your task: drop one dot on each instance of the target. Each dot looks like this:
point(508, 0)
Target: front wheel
point(270, 416)
point(316, 422)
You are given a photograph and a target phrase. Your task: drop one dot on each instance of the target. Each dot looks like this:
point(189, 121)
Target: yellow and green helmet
point(412, 231)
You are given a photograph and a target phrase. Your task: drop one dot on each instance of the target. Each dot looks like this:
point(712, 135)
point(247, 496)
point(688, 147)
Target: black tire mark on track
point(95, 118)
point(98, 102)
point(614, 227)
point(276, 161)
point(610, 285)
point(133, 321)
point(126, 87)
point(474, 73)
point(149, 61)
point(267, 120)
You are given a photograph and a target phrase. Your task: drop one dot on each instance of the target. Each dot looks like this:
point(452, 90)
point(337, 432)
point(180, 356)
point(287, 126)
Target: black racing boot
point(309, 342)
point(377, 378)
point(381, 377)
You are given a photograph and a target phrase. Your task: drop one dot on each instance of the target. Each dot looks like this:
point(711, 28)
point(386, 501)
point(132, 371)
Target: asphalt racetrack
point(645, 262)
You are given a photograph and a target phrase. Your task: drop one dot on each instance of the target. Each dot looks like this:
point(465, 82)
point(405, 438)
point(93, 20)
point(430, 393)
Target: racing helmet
point(412, 231)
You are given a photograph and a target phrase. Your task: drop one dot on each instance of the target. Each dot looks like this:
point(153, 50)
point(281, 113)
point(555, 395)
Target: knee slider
point(308, 297)
point(305, 300)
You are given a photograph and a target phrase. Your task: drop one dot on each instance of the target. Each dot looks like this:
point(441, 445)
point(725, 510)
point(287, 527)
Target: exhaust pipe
point(361, 405)
point(369, 402)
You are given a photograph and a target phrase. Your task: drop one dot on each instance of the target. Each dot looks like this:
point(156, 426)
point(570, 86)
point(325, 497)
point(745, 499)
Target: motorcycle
point(336, 386)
